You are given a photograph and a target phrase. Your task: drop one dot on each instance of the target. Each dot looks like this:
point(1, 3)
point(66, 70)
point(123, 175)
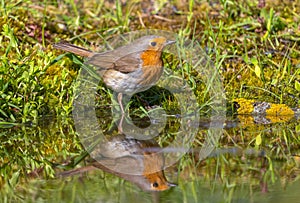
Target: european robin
point(133, 160)
point(128, 69)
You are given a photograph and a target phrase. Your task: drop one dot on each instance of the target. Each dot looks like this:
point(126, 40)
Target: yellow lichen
point(245, 105)
point(279, 118)
point(246, 120)
point(279, 110)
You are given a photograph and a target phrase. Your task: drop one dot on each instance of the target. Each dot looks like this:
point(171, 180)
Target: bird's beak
point(172, 184)
point(168, 42)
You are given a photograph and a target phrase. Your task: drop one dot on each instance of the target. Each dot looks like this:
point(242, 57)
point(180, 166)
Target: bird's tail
point(75, 171)
point(73, 49)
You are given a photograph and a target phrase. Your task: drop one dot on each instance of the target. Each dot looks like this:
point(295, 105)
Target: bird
point(127, 69)
point(137, 161)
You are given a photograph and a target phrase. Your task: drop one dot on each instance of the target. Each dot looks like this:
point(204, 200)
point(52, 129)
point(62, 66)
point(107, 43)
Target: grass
point(255, 50)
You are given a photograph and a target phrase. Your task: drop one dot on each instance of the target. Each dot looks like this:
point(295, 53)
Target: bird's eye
point(153, 44)
point(155, 184)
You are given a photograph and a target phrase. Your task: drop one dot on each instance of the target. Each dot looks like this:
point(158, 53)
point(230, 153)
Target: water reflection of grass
point(256, 51)
point(248, 160)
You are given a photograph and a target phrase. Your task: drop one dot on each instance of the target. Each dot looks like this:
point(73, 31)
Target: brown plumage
point(128, 69)
point(137, 161)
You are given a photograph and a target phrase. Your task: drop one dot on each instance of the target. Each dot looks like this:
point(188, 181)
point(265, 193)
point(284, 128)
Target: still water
point(248, 162)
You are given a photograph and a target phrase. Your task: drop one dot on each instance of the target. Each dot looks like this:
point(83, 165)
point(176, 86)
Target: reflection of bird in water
point(137, 161)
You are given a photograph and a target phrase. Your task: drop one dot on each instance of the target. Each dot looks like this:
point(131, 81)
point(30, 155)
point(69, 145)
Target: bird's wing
point(126, 165)
point(110, 60)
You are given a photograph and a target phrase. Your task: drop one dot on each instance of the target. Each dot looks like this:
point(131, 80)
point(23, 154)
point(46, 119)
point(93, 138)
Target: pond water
point(248, 162)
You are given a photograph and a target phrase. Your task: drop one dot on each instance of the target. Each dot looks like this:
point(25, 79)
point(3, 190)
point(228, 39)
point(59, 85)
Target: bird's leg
point(120, 126)
point(120, 96)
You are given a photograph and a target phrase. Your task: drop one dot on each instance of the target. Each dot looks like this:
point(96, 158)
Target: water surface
point(250, 163)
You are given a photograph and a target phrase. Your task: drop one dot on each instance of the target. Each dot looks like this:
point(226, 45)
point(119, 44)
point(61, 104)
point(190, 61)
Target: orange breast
point(151, 58)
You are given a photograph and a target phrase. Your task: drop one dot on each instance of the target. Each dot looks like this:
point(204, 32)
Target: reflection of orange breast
point(153, 171)
point(138, 161)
